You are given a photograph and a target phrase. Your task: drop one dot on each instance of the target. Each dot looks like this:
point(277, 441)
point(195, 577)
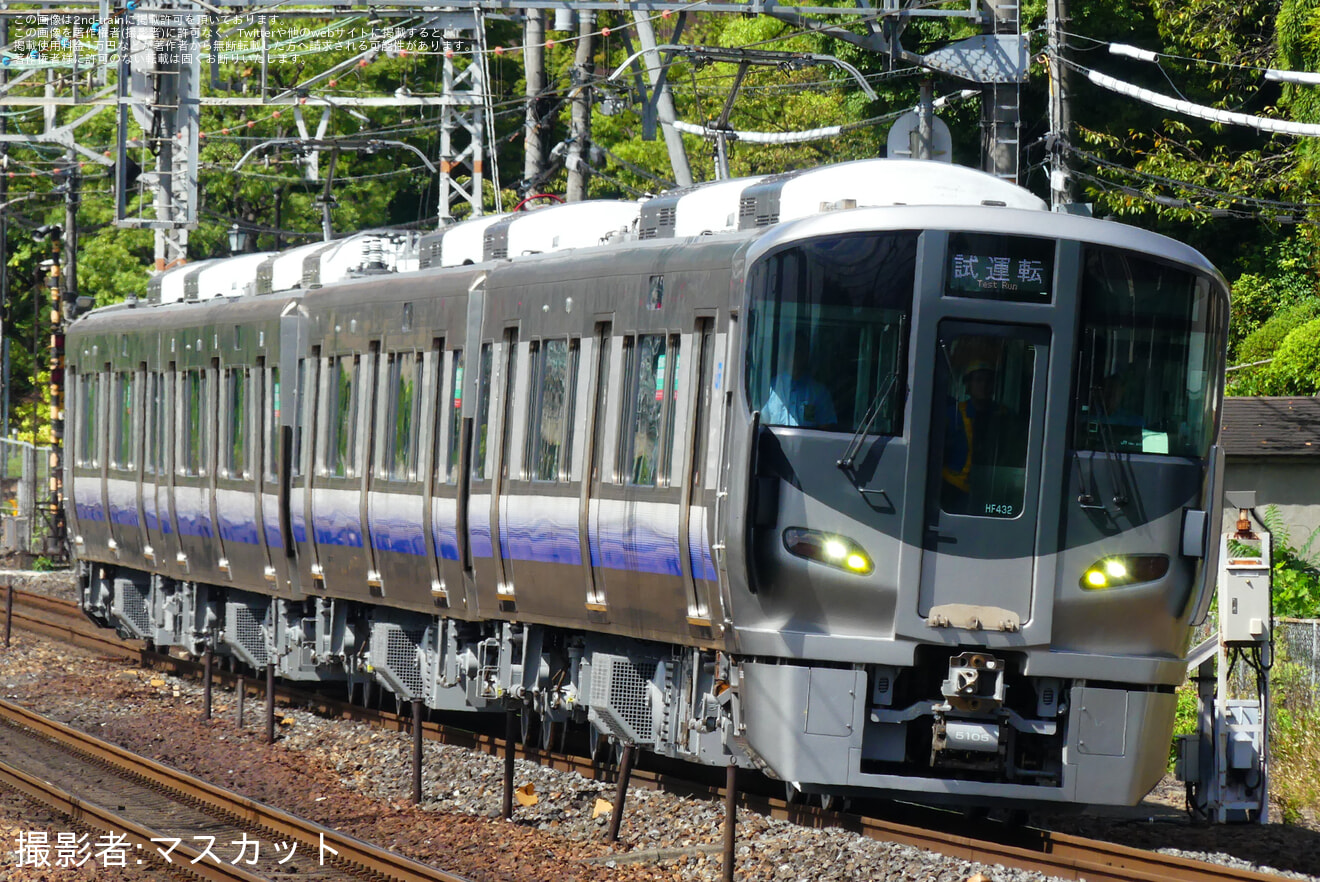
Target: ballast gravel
point(358, 780)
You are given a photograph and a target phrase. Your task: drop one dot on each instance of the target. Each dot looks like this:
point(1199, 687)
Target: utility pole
point(1060, 109)
point(926, 120)
point(534, 61)
point(579, 133)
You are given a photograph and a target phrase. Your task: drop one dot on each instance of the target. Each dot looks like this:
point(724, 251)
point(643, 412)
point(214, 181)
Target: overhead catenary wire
point(819, 133)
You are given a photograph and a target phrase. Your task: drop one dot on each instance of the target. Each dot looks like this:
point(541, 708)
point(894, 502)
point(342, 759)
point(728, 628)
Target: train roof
point(989, 219)
point(824, 198)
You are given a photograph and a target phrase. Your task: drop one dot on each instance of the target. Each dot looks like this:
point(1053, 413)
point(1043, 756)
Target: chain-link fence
point(26, 509)
point(1296, 646)
point(1297, 642)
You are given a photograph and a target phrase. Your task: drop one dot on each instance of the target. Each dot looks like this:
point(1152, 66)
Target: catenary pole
point(580, 125)
point(534, 62)
point(1060, 110)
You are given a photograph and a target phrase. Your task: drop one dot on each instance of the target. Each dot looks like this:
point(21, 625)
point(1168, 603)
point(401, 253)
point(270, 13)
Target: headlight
point(1124, 569)
point(827, 548)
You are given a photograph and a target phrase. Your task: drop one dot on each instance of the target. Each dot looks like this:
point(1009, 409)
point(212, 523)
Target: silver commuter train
point(877, 477)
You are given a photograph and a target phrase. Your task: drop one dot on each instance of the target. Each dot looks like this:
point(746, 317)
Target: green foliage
point(1296, 570)
point(1275, 278)
point(1264, 344)
point(44, 565)
point(1184, 718)
point(1294, 741)
point(1296, 366)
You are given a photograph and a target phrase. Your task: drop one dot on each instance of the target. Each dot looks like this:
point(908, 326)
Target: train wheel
point(599, 744)
point(833, 802)
point(552, 736)
point(530, 722)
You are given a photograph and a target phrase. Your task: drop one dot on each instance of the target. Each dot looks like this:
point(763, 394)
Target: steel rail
point(1058, 854)
point(216, 799)
point(142, 839)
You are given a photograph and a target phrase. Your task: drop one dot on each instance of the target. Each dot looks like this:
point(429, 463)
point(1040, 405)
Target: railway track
point(159, 814)
point(1026, 848)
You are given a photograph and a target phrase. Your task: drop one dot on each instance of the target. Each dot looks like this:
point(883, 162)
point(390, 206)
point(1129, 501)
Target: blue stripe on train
point(541, 530)
point(398, 537)
point(89, 511)
point(327, 532)
point(192, 523)
point(243, 532)
point(444, 529)
point(636, 541)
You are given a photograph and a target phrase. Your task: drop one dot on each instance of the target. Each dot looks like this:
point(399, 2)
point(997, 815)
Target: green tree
point(1296, 366)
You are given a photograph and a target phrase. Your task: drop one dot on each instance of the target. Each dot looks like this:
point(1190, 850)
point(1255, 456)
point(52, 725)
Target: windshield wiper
point(855, 445)
point(1105, 429)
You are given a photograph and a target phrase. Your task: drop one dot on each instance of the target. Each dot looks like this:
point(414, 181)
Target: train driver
point(978, 432)
point(797, 398)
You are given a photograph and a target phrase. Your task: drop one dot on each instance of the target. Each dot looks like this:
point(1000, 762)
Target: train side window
point(455, 415)
point(305, 380)
point(670, 391)
point(192, 425)
point(550, 435)
point(273, 433)
point(480, 468)
point(648, 424)
point(448, 415)
point(86, 392)
point(236, 426)
point(99, 385)
point(122, 416)
point(149, 418)
point(340, 450)
point(399, 456)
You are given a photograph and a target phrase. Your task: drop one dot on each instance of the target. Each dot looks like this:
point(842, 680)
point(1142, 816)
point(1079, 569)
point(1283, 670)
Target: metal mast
point(159, 72)
point(463, 110)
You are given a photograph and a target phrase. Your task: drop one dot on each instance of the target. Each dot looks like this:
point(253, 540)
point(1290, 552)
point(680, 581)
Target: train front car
point(977, 514)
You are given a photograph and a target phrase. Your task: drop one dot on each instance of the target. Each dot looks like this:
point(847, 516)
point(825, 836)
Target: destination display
point(987, 266)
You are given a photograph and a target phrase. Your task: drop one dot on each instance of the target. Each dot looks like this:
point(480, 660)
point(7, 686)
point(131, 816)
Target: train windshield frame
point(1151, 341)
point(828, 331)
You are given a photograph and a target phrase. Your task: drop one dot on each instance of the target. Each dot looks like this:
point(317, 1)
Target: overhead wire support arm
point(721, 54)
point(368, 145)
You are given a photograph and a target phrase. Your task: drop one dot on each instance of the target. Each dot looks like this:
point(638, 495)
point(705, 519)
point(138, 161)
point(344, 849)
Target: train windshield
point(1148, 359)
point(828, 332)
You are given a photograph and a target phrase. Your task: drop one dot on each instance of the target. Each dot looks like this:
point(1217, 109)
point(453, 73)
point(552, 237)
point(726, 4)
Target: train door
point(105, 430)
point(371, 429)
point(149, 486)
point(508, 463)
point(337, 516)
point(595, 467)
point(447, 571)
point(169, 464)
point(229, 404)
point(695, 535)
point(194, 488)
point(396, 502)
point(489, 436)
point(267, 459)
point(306, 401)
point(123, 515)
point(983, 481)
